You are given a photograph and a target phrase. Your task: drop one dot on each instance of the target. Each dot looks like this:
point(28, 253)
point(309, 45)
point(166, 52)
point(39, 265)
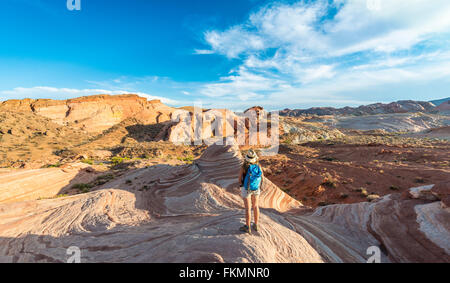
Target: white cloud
point(320, 72)
point(234, 41)
point(336, 89)
point(294, 53)
point(242, 84)
point(397, 25)
point(203, 52)
point(307, 27)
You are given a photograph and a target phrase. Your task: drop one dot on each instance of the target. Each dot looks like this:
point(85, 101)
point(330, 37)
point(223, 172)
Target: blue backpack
point(253, 178)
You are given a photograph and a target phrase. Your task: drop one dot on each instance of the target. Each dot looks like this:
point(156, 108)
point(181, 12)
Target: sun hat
point(251, 157)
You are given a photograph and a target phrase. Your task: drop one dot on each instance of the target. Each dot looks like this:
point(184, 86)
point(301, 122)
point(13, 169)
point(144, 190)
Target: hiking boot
point(245, 229)
point(255, 227)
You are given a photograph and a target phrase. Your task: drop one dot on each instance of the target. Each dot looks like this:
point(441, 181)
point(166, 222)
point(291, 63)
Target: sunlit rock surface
point(94, 113)
point(192, 213)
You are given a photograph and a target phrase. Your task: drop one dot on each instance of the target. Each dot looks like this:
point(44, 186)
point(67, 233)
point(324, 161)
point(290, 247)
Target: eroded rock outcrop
point(254, 127)
point(94, 113)
point(192, 213)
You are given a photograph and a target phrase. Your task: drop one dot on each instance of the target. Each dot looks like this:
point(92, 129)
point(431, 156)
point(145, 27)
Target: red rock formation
point(444, 106)
point(94, 113)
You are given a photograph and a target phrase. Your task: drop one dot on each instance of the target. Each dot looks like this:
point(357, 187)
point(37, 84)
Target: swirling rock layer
point(192, 213)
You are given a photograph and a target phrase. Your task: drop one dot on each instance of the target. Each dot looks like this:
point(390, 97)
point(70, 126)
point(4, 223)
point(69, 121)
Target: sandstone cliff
point(93, 113)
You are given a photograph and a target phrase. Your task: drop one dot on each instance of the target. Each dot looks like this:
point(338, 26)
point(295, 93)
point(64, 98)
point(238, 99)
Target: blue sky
point(233, 54)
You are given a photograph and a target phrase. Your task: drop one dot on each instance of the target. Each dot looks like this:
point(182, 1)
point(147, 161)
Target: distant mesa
point(441, 101)
point(405, 106)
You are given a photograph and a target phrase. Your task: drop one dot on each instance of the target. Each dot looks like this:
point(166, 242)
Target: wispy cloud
point(318, 51)
point(203, 52)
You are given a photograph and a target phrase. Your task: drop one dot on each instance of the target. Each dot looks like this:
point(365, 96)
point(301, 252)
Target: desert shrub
point(61, 196)
point(286, 190)
point(57, 165)
point(343, 196)
point(288, 139)
point(101, 180)
point(88, 161)
point(55, 197)
point(331, 159)
point(330, 184)
point(394, 188)
point(84, 188)
point(364, 193)
point(116, 160)
point(106, 177)
point(188, 159)
point(419, 181)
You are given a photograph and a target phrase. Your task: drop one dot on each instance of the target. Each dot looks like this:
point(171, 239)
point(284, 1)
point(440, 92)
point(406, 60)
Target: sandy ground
point(320, 173)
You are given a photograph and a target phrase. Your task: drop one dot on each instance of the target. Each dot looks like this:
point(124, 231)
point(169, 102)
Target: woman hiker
point(250, 179)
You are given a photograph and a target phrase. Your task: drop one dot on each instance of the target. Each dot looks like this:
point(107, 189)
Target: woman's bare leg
point(255, 204)
point(248, 212)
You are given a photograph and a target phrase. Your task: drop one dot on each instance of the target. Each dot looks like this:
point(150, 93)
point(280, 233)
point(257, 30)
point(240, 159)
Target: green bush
point(101, 180)
point(57, 165)
point(105, 177)
point(189, 159)
point(84, 188)
point(61, 196)
point(88, 161)
point(116, 160)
